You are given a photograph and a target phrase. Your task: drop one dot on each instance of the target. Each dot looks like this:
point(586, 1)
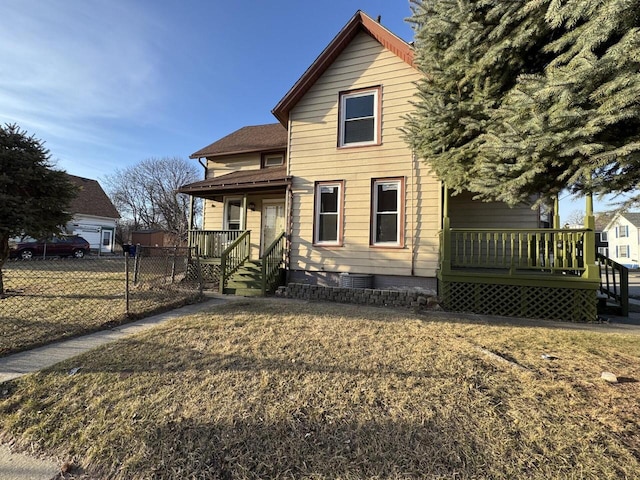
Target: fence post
point(173, 265)
point(126, 283)
point(136, 266)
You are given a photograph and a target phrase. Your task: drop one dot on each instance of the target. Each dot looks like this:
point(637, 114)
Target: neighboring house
point(336, 175)
point(623, 235)
point(94, 216)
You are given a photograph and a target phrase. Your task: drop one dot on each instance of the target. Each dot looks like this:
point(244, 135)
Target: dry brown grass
point(57, 299)
point(281, 389)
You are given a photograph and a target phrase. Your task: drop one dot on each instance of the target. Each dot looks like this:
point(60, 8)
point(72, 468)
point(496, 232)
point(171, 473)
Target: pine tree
point(575, 125)
point(557, 90)
point(34, 198)
point(470, 53)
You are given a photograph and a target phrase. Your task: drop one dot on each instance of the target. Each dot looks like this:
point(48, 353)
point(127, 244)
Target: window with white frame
point(328, 213)
point(603, 251)
point(622, 231)
point(273, 160)
point(387, 208)
point(233, 214)
point(623, 251)
point(603, 236)
point(359, 118)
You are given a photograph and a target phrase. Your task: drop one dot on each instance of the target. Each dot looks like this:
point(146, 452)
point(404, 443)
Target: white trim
point(225, 221)
point(279, 156)
point(266, 202)
point(398, 213)
point(343, 111)
point(318, 213)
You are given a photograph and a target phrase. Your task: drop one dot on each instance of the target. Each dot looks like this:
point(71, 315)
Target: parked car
point(52, 247)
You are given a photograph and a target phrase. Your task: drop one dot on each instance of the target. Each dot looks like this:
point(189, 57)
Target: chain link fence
point(50, 299)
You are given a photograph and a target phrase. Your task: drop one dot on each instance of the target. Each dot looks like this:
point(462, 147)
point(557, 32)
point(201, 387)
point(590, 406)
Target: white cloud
point(67, 65)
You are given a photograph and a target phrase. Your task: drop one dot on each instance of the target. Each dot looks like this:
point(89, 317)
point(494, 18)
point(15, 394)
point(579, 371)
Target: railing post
point(624, 292)
point(223, 272)
point(445, 261)
point(591, 271)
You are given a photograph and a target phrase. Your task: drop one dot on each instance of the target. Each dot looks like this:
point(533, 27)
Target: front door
point(272, 222)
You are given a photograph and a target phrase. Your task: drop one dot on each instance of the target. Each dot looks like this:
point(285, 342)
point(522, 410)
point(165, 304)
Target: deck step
point(244, 292)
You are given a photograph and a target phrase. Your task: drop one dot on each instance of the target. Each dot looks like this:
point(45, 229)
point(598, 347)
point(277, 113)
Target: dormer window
point(272, 160)
point(359, 118)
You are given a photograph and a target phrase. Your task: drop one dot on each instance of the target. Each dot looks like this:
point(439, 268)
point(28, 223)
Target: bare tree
point(146, 193)
point(576, 217)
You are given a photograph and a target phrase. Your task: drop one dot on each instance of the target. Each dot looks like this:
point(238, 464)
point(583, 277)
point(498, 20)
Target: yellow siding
point(213, 217)
point(314, 157)
point(464, 212)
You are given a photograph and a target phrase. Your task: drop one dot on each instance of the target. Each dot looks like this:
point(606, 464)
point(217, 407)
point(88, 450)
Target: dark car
point(52, 247)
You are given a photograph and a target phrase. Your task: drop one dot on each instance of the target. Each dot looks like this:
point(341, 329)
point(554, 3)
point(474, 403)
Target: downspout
point(192, 203)
point(414, 201)
point(288, 207)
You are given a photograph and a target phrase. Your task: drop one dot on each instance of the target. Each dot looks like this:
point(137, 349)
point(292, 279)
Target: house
point(336, 188)
point(94, 216)
point(623, 236)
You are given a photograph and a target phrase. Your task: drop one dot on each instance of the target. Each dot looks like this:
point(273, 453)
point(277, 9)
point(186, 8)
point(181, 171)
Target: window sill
point(365, 145)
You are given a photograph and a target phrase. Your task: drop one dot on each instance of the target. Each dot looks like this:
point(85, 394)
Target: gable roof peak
point(360, 22)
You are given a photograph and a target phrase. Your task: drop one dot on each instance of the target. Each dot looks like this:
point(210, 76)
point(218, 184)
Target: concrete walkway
point(16, 466)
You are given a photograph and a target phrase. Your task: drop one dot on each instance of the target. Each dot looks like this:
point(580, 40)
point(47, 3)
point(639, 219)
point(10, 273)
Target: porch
point(224, 257)
point(538, 272)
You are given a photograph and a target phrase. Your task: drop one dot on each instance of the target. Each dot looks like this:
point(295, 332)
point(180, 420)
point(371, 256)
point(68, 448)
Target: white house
point(623, 235)
point(94, 216)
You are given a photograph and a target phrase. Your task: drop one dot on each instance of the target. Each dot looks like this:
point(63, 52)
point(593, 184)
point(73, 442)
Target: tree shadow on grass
point(306, 447)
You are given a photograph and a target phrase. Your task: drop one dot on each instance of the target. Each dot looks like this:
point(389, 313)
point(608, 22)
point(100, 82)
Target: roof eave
point(201, 154)
point(360, 21)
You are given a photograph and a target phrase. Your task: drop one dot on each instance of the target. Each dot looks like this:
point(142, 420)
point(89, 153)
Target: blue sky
point(108, 83)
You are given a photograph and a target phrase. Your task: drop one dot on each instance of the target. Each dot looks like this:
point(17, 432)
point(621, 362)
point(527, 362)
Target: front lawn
point(275, 388)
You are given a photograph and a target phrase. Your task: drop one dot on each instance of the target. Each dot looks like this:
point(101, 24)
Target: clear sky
point(108, 83)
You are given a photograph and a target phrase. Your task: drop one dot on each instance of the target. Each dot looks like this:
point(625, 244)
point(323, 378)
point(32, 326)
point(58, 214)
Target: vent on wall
point(356, 280)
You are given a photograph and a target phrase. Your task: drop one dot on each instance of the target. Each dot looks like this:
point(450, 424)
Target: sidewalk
point(15, 466)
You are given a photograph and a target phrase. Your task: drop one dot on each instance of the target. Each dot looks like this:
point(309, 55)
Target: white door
point(107, 241)
point(272, 222)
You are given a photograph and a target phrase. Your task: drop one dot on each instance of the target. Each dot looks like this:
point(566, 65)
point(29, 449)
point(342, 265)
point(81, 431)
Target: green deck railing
point(272, 260)
point(232, 258)
point(543, 250)
point(211, 243)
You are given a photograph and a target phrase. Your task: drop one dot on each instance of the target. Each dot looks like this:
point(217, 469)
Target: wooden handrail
point(542, 249)
point(232, 258)
point(272, 258)
point(615, 287)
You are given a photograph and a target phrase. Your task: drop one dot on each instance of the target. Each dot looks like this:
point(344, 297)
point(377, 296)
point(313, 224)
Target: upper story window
point(603, 236)
point(272, 160)
point(622, 231)
point(359, 118)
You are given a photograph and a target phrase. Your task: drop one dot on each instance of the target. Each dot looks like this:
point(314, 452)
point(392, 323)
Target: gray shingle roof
point(257, 138)
point(91, 199)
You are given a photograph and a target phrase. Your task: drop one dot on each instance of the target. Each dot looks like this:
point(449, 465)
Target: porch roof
point(239, 182)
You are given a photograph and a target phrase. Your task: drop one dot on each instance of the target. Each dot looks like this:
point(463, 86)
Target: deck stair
point(247, 280)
